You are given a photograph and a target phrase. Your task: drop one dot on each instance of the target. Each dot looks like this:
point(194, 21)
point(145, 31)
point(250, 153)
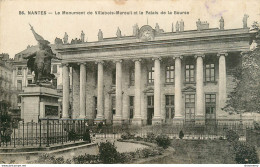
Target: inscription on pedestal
point(51, 110)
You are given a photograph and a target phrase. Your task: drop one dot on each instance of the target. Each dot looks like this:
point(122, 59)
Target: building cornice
point(172, 38)
point(185, 43)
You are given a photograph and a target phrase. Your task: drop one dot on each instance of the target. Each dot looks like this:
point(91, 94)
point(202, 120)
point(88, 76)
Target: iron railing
point(52, 132)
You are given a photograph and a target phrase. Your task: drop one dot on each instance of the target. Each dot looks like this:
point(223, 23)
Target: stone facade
point(7, 93)
point(154, 78)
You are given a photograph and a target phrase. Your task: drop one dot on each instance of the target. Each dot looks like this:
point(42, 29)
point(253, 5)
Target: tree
point(5, 122)
point(246, 94)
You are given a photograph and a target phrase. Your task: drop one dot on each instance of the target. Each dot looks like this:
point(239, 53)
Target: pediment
point(189, 89)
point(149, 90)
point(112, 91)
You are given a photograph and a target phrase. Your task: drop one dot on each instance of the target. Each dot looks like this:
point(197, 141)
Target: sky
point(15, 33)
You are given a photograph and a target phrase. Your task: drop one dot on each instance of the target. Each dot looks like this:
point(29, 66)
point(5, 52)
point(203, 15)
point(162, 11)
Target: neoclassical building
point(153, 76)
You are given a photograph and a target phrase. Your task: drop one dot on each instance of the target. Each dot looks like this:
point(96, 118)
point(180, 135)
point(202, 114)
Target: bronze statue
point(40, 61)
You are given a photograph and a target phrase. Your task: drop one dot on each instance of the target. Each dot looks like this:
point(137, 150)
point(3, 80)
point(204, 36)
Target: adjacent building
point(7, 92)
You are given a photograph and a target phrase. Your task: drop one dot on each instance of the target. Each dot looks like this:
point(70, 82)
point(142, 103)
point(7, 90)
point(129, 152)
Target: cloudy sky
point(15, 33)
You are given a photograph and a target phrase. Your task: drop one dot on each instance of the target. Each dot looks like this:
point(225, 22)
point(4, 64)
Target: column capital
point(178, 56)
point(84, 63)
point(65, 64)
point(157, 58)
point(222, 54)
point(99, 62)
point(134, 60)
point(118, 61)
point(199, 55)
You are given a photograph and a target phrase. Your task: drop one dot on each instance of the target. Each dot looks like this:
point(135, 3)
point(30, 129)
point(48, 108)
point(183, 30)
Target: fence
point(191, 131)
point(51, 132)
point(44, 133)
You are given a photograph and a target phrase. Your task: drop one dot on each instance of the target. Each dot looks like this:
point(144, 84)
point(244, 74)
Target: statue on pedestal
point(40, 61)
point(135, 30)
point(118, 33)
point(58, 41)
point(198, 24)
point(221, 23)
point(245, 21)
point(157, 28)
point(177, 27)
point(181, 25)
point(65, 38)
point(100, 35)
point(82, 35)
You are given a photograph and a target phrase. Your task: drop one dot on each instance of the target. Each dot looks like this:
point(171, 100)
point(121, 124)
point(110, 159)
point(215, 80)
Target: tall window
point(132, 76)
point(19, 99)
point(210, 105)
point(96, 76)
point(189, 107)
point(189, 73)
point(150, 101)
point(131, 106)
point(95, 107)
point(114, 77)
point(19, 84)
point(54, 82)
point(169, 74)
point(19, 71)
point(113, 104)
point(210, 72)
point(54, 68)
point(169, 105)
point(151, 75)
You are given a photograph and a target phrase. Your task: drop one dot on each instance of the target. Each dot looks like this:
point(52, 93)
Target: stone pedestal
point(39, 103)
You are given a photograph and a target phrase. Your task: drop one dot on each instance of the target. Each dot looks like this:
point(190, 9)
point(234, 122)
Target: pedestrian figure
point(181, 134)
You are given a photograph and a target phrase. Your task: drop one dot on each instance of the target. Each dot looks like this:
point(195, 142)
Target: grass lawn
point(199, 152)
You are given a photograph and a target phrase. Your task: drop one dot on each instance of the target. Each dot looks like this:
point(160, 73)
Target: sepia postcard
point(129, 82)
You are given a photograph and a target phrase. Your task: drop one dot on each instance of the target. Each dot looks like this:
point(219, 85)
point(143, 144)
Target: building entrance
point(210, 114)
point(150, 112)
point(150, 109)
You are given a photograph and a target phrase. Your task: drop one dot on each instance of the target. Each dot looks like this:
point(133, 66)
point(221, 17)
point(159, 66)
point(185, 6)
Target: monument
point(40, 99)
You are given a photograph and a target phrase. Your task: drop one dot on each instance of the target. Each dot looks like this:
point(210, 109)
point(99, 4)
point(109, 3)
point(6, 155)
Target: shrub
point(232, 136)
point(108, 153)
point(245, 154)
point(127, 135)
point(256, 126)
point(163, 141)
point(86, 159)
point(50, 159)
point(181, 134)
point(72, 135)
point(150, 137)
point(126, 157)
point(86, 136)
point(138, 138)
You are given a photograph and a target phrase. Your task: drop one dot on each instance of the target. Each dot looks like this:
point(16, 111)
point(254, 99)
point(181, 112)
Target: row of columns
point(157, 89)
